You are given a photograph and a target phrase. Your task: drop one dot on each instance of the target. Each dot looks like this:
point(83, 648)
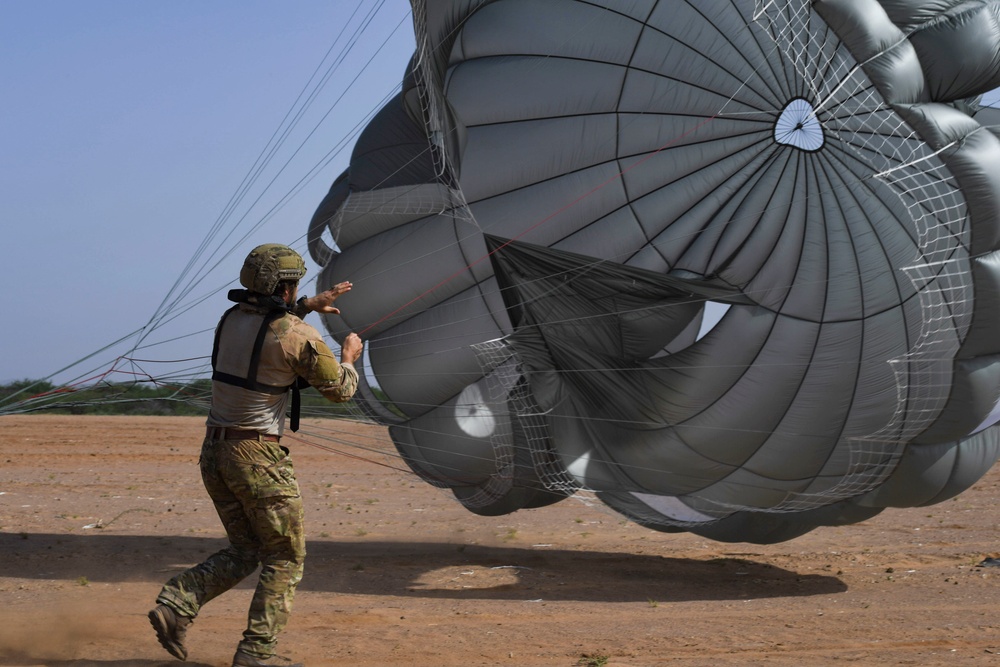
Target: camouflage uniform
point(251, 479)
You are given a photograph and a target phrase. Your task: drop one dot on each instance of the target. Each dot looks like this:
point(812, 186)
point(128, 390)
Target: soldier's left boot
point(170, 628)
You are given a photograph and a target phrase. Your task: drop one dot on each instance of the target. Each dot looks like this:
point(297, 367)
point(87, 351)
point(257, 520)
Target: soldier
point(263, 352)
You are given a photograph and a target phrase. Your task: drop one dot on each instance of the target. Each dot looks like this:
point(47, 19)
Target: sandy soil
point(96, 512)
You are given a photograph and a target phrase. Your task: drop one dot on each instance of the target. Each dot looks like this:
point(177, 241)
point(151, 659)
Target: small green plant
point(592, 660)
point(358, 567)
point(83, 581)
point(654, 603)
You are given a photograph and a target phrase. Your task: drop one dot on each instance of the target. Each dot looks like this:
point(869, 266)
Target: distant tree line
point(132, 398)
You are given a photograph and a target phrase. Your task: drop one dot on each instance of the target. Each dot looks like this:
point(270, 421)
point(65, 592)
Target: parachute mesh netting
point(505, 382)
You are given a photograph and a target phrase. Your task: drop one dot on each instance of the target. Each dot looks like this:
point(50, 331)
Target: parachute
point(730, 267)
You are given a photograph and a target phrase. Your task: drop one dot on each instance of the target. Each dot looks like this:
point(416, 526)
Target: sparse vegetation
point(106, 398)
point(132, 398)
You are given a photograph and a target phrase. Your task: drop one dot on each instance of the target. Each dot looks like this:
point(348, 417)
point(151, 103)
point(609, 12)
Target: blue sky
point(128, 127)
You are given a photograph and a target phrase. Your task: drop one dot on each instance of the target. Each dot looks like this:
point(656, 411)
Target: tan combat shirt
point(291, 349)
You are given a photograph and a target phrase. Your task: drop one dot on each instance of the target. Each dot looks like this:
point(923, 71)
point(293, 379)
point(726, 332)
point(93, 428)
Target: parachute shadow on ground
point(425, 569)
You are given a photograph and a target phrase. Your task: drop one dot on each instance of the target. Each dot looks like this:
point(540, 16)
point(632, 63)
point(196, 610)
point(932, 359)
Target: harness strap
point(250, 382)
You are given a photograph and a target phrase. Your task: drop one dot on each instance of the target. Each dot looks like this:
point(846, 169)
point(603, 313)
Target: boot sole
point(162, 627)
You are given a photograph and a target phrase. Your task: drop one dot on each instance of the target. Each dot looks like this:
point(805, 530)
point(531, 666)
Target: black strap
point(218, 335)
point(293, 420)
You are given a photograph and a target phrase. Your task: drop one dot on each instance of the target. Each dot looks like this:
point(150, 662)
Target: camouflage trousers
point(253, 486)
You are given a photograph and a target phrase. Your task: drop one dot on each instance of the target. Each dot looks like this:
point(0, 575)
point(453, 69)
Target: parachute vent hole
point(798, 126)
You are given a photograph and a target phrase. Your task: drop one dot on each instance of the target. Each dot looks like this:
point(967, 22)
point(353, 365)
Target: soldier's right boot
point(170, 628)
point(243, 659)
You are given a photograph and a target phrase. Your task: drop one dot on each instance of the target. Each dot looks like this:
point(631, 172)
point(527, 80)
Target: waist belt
point(218, 433)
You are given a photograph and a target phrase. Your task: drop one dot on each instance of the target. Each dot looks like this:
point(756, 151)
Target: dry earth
point(96, 512)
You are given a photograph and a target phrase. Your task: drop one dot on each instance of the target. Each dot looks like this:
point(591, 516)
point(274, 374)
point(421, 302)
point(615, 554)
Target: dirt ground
point(97, 512)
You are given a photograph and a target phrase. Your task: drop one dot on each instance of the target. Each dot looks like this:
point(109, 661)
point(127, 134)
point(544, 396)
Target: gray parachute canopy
point(731, 266)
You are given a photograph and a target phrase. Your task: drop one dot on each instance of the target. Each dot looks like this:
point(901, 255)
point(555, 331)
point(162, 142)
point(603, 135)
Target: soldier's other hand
point(351, 348)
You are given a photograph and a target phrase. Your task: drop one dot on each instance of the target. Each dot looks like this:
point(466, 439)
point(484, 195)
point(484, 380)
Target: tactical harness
point(250, 382)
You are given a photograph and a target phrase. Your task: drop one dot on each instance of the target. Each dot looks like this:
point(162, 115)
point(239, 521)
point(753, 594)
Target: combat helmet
point(268, 264)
